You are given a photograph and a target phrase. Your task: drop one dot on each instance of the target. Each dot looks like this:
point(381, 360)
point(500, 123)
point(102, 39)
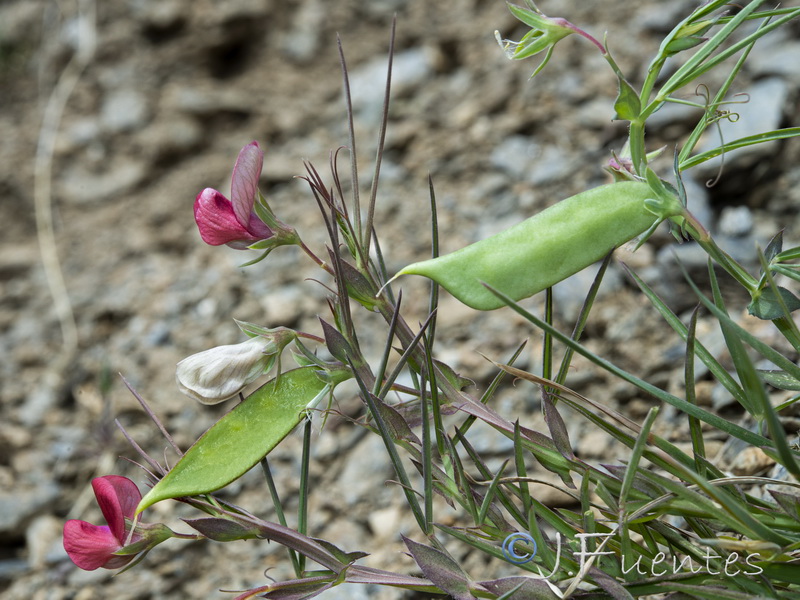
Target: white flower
point(220, 373)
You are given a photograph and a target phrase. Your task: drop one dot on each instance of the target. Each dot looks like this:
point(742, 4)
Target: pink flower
point(92, 546)
point(234, 222)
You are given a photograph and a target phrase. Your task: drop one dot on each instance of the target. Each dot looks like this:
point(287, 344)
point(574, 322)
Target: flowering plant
point(661, 498)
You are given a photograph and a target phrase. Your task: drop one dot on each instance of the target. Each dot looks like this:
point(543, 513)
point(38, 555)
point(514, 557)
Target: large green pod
point(544, 249)
point(242, 437)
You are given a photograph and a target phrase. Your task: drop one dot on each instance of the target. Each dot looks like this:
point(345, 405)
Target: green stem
point(722, 258)
point(637, 147)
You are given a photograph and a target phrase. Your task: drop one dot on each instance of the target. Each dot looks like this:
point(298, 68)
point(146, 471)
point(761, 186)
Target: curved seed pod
point(242, 437)
point(544, 249)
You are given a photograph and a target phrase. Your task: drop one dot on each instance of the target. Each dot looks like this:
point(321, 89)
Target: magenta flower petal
point(117, 497)
point(92, 546)
point(257, 228)
point(244, 183)
point(217, 222)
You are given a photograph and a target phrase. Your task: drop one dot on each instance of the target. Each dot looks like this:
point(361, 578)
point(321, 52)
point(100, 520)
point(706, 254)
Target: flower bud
point(220, 373)
point(545, 33)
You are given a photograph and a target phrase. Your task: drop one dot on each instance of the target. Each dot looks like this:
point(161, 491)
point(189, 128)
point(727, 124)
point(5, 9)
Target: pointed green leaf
point(627, 105)
point(241, 438)
point(532, 19)
point(774, 247)
point(682, 44)
point(768, 307)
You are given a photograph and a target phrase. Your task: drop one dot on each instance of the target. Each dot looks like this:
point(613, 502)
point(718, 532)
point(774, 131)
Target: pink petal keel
point(216, 221)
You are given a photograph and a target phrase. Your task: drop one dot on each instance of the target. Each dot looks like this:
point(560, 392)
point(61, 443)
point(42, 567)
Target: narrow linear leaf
point(741, 361)
point(790, 254)
point(751, 140)
point(780, 379)
point(696, 411)
point(241, 438)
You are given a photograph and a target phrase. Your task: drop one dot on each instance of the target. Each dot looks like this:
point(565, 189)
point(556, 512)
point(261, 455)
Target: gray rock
point(365, 476)
point(206, 101)
point(12, 568)
point(721, 398)
point(742, 248)
point(663, 16)
point(171, 138)
point(667, 279)
point(81, 186)
point(569, 294)
point(514, 155)
point(81, 132)
point(697, 200)
point(776, 59)
point(124, 110)
point(302, 41)
point(525, 159)
point(17, 510)
point(735, 221)
point(43, 540)
point(160, 16)
point(671, 113)
point(486, 440)
point(367, 83)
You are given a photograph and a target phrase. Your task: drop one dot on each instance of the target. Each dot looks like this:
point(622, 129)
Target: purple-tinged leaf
point(362, 574)
point(524, 588)
point(558, 430)
point(336, 343)
point(610, 585)
point(346, 558)
point(297, 589)
point(399, 428)
point(457, 380)
point(223, 530)
point(442, 570)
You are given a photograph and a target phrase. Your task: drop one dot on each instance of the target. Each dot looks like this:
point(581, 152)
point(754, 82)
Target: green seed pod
point(242, 437)
point(544, 249)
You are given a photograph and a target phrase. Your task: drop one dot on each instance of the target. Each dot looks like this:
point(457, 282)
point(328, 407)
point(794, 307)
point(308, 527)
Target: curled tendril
point(714, 114)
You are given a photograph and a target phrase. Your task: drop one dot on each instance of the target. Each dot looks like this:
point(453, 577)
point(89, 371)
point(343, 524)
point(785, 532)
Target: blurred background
point(158, 98)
